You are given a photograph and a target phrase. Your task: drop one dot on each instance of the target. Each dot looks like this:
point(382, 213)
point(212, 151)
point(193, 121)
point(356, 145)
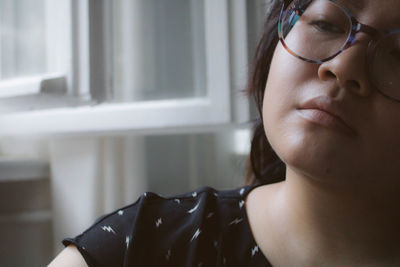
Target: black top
point(203, 228)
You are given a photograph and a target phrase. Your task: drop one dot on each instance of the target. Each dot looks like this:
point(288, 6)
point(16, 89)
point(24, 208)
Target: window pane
point(22, 38)
point(158, 49)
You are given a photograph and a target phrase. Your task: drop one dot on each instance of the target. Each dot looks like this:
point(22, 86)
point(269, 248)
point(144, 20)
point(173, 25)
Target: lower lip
point(324, 119)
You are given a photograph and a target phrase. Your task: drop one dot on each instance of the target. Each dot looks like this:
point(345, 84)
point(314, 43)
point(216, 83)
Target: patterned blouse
point(203, 228)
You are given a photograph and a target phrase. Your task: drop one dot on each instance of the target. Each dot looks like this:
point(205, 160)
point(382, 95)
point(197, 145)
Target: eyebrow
point(358, 4)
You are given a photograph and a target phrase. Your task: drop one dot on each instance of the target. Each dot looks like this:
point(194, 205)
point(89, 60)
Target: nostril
point(330, 74)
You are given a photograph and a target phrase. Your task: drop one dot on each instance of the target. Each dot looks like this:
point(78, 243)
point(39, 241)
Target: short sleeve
point(201, 228)
point(106, 241)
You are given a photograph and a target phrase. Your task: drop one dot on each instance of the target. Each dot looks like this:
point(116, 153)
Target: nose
point(349, 69)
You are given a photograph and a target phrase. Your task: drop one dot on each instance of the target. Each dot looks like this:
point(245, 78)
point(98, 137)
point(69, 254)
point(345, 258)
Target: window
point(23, 36)
point(158, 50)
point(34, 58)
point(99, 66)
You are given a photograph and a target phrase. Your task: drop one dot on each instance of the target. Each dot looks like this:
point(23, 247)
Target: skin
point(69, 257)
point(339, 203)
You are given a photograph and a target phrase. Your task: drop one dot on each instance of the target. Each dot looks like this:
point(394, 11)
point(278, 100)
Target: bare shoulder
point(260, 206)
point(261, 195)
point(70, 256)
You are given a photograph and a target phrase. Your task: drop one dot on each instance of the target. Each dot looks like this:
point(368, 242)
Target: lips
point(326, 111)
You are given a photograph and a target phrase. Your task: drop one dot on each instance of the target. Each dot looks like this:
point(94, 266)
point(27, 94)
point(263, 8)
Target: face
point(327, 120)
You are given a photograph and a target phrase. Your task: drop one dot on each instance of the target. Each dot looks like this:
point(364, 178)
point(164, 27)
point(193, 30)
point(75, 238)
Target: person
point(324, 173)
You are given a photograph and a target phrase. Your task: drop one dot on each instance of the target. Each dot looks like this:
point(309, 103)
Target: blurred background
point(102, 100)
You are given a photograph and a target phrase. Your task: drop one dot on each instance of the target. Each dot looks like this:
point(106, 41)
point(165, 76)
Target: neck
point(330, 220)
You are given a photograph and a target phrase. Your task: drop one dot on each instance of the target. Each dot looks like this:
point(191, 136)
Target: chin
point(314, 155)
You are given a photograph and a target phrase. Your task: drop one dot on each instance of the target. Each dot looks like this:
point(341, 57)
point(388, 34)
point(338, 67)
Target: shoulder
point(189, 222)
point(70, 256)
point(196, 226)
point(200, 200)
point(153, 210)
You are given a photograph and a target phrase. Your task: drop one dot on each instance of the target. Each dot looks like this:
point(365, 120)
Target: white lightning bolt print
point(195, 208)
point(196, 234)
point(108, 229)
point(127, 240)
point(215, 244)
point(235, 221)
point(121, 212)
point(254, 251)
point(158, 222)
point(241, 192)
point(241, 204)
point(168, 256)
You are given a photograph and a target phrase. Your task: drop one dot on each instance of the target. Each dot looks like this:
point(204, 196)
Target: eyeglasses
point(317, 31)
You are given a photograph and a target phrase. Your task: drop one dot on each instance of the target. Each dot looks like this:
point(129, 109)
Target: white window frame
point(220, 107)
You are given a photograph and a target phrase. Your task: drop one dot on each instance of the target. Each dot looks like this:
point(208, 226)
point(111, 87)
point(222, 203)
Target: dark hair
point(263, 165)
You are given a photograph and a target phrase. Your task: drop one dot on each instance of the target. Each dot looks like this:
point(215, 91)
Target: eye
point(325, 26)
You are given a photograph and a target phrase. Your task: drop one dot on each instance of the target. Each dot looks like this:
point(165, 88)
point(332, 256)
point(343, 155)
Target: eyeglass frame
point(356, 27)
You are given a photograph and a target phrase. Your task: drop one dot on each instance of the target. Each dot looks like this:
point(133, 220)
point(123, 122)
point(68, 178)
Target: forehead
point(378, 13)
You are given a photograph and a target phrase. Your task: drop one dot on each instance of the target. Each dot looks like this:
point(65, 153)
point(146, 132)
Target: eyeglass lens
point(317, 30)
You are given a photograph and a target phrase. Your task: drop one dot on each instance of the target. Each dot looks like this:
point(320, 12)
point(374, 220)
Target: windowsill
point(150, 117)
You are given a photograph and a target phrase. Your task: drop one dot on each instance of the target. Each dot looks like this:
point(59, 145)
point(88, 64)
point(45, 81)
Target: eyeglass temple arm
point(359, 27)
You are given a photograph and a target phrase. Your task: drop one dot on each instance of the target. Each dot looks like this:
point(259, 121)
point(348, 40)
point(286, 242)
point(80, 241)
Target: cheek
point(289, 81)
point(279, 85)
point(278, 120)
point(282, 93)
point(274, 101)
